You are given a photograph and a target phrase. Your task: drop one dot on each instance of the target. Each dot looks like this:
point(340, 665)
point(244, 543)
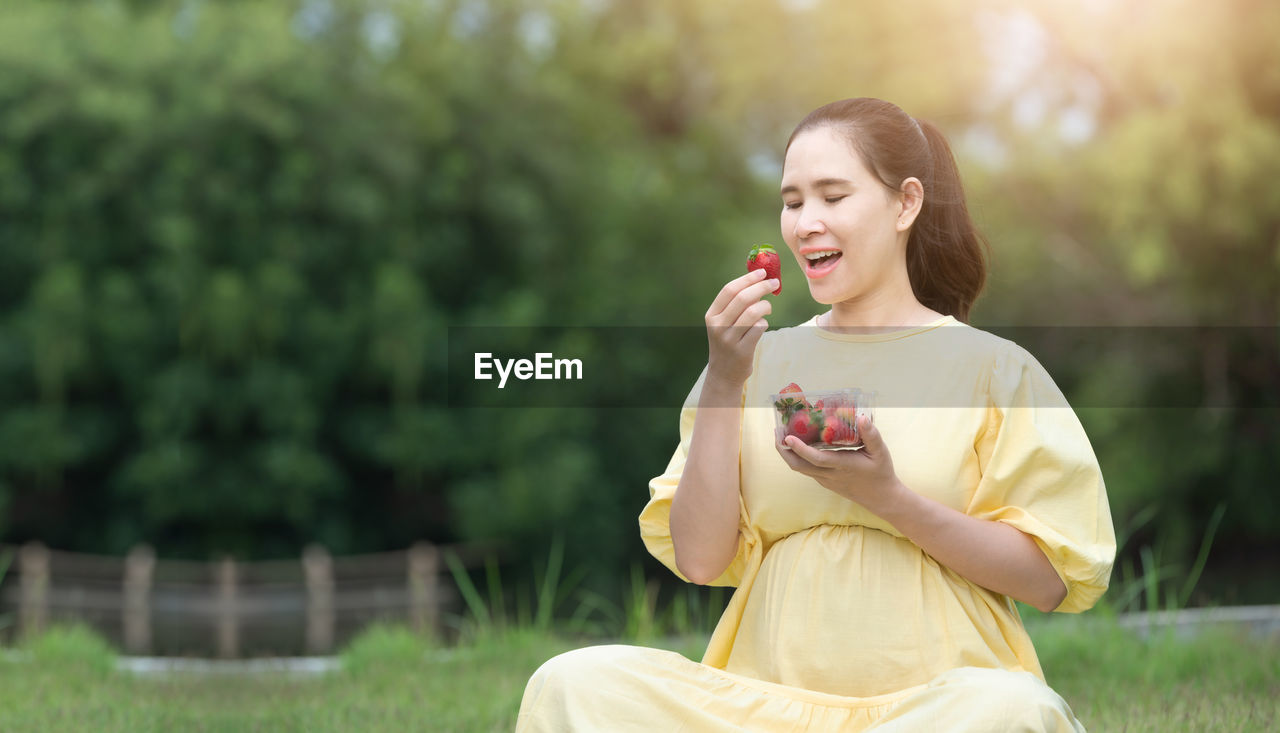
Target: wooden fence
point(145, 605)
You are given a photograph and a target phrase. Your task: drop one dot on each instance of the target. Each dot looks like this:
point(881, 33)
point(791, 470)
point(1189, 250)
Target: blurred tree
point(1168, 215)
point(234, 236)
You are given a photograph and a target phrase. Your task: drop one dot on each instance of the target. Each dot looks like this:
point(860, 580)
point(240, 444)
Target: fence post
point(33, 606)
point(317, 568)
point(424, 563)
point(139, 565)
point(228, 632)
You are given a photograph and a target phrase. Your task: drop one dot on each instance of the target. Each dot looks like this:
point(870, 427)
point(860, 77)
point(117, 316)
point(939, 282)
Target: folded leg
point(981, 700)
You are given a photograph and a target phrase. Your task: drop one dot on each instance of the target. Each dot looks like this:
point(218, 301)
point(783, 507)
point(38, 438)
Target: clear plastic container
point(824, 419)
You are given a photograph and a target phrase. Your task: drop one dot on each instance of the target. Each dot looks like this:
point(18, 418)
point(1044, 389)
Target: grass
point(1116, 681)
point(392, 680)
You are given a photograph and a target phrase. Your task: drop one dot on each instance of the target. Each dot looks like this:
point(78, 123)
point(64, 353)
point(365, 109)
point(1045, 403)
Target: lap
point(612, 687)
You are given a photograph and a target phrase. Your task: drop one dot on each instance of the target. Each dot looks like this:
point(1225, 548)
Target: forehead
point(822, 153)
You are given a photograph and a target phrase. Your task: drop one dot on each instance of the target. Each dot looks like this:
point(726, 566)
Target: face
point(844, 227)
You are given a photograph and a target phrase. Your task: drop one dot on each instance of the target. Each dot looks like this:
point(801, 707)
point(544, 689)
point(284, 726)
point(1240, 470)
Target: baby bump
point(851, 610)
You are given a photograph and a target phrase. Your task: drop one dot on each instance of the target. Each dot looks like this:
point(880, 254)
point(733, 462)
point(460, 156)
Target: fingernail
point(774, 282)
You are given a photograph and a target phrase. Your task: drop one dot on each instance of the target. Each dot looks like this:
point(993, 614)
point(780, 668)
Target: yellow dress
point(838, 621)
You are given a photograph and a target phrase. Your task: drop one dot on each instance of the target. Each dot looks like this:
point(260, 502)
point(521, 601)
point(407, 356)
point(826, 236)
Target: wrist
point(896, 503)
point(720, 392)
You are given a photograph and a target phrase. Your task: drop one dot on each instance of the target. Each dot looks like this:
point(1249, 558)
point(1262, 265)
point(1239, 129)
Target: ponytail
point(946, 254)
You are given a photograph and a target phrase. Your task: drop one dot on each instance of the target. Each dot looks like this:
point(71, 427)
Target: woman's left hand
point(864, 476)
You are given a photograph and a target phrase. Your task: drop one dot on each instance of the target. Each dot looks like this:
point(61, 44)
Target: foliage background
point(233, 236)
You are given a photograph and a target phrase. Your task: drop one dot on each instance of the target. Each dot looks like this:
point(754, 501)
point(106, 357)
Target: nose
point(808, 223)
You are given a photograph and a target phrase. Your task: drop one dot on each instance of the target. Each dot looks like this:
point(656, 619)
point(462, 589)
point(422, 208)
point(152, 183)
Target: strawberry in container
point(826, 420)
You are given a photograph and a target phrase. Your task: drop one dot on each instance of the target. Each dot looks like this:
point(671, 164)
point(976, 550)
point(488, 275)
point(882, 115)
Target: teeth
point(819, 255)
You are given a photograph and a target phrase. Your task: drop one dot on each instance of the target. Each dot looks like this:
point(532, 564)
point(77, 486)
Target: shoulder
point(983, 341)
point(1012, 369)
point(993, 350)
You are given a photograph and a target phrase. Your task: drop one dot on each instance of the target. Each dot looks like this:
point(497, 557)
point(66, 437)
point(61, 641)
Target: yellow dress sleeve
point(655, 518)
point(1040, 475)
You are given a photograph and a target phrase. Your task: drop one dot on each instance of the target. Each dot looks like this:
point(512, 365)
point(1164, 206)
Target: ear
point(910, 198)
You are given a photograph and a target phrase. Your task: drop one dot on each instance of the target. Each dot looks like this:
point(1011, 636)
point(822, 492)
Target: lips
point(817, 268)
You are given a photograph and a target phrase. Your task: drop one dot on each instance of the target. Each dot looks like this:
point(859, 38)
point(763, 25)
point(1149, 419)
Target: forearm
point(994, 555)
point(704, 510)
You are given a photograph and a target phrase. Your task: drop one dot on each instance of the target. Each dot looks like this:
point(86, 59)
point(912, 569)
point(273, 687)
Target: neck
point(879, 311)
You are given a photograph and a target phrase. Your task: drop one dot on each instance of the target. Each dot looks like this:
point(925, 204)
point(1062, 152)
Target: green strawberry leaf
point(760, 249)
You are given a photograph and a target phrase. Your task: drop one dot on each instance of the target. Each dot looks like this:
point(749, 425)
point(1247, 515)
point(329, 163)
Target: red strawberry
point(803, 426)
point(839, 428)
point(765, 257)
point(829, 432)
point(788, 405)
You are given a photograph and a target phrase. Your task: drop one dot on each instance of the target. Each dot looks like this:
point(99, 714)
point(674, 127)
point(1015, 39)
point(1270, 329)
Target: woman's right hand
point(735, 323)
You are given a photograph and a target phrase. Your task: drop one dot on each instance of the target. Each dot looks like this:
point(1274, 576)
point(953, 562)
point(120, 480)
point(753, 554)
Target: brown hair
point(946, 254)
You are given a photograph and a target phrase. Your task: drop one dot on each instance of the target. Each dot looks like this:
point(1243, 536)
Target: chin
point(823, 296)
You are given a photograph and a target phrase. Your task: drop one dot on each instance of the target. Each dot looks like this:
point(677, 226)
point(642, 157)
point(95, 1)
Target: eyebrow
point(820, 183)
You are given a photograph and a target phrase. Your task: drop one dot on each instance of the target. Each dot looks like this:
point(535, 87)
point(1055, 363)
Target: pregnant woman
point(875, 588)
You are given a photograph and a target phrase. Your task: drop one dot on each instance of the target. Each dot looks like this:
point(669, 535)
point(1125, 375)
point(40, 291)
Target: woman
point(875, 588)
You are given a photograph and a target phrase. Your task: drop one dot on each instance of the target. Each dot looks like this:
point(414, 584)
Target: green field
point(392, 681)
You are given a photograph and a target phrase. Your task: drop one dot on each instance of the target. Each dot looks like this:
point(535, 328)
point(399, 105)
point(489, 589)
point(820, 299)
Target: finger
point(731, 290)
point(746, 298)
point(742, 335)
point(751, 335)
point(796, 463)
point(818, 461)
point(749, 328)
point(753, 314)
point(813, 456)
point(870, 434)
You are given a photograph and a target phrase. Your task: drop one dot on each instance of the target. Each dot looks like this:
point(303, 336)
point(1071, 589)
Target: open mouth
point(818, 264)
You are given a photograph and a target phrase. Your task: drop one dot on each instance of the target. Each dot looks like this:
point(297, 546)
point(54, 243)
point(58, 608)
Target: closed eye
point(834, 199)
point(791, 204)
